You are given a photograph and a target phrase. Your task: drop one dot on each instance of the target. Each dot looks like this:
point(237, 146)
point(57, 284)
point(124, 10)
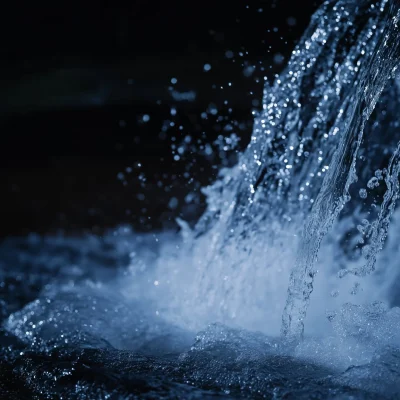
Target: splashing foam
point(319, 177)
point(291, 195)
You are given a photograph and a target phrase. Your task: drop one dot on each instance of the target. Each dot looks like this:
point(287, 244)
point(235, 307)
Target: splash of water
point(334, 192)
point(301, 160)
point(321, 170)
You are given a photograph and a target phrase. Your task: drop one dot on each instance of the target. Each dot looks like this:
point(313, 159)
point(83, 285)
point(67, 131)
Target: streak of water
point(334, 192)
point(319, 177)
point(300, 163)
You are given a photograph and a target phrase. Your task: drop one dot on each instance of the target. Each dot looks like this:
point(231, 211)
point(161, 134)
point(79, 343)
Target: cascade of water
point(300, 161)
point(303, 115)
point(334, 192)
point(323, 162)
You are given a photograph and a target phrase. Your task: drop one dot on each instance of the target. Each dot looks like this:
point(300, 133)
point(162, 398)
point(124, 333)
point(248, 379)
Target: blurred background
point(119, 112)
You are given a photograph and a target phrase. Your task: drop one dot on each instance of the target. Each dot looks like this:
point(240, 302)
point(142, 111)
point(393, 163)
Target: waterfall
point(294, 178)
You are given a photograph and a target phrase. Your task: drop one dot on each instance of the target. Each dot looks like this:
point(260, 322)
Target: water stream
point(235, 307)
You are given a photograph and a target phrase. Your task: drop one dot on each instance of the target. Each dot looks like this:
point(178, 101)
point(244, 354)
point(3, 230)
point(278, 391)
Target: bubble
point(373, 183)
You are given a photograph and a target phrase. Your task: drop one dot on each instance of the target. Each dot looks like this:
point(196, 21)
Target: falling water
point(302, 157)
point(320, 177)
point(334, 192)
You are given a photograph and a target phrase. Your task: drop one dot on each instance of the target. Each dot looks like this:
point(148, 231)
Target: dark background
point(77, 153)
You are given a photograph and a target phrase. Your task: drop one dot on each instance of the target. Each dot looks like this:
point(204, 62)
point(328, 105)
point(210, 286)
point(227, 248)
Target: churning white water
point(299, 242)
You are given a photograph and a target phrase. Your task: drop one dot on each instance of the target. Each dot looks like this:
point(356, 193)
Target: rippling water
point(287, 287)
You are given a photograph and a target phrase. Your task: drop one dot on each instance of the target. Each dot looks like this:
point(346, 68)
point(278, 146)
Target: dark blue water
point(78, 337)
point(287, 287)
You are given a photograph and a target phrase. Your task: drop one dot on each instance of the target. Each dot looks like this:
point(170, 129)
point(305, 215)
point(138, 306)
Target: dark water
point(76, 336)
point(311, 202)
